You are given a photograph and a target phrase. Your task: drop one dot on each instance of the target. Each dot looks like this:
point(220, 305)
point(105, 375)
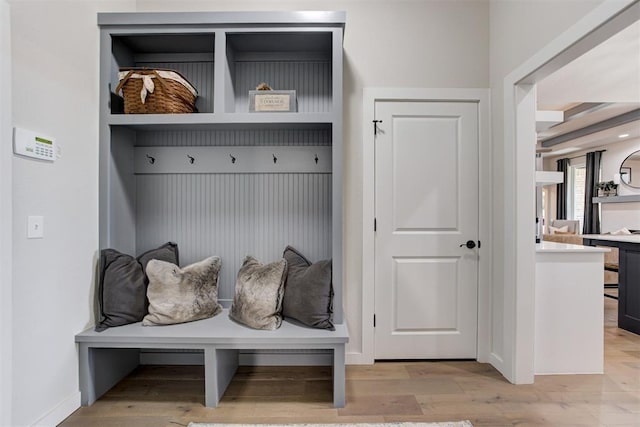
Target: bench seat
point(107, 357)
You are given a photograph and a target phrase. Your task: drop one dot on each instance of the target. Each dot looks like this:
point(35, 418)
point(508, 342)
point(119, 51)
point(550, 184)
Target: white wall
point(518, 30)
point(613, 216)
point(427, 44)
point(401, 43)
point(5, 215)
point(55, 91)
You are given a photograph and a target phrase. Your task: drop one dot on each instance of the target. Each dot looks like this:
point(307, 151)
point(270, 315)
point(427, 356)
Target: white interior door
point(426, 279)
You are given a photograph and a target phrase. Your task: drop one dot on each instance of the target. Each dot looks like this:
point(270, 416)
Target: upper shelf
point(618, 199)
point(224, 120)
point(310, 17)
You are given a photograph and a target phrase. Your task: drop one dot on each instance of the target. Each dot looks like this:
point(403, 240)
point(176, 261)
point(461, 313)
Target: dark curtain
point(592, 210)
point(561, 190)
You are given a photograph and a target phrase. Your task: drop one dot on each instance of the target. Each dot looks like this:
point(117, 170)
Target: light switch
point(35, 227)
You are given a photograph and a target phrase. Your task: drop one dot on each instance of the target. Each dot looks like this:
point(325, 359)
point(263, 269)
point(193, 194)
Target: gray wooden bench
point(107, 357)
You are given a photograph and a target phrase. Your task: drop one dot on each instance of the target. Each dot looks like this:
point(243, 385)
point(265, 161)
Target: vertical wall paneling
point(310, 79)
point(234, 137)
point(234, 215)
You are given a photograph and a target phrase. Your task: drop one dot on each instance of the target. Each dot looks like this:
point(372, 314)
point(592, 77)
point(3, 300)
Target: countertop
point(627, 238)
point(555, 247)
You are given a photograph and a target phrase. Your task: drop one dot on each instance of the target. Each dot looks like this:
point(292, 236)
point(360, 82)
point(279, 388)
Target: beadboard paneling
point(236, 137)
point(234, 215)
point(310, 79)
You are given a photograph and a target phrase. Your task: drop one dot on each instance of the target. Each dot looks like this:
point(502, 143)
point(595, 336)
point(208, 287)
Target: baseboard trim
point(358, 359)
point(60, 412)
point(497, 362)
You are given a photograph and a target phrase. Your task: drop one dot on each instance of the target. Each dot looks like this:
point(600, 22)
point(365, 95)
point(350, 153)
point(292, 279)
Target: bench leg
point(211, 397)
point(87, 375)
point(219, 368)
point(338, 376)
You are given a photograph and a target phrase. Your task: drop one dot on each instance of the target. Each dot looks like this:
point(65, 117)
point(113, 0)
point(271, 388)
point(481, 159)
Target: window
point(575, 190)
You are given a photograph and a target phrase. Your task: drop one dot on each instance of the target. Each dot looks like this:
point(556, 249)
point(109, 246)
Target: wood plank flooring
point(385, 392)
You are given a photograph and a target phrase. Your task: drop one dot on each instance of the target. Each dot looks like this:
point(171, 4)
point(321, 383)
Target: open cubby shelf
point(299, 61)
point(286, 60)
point(191, 54)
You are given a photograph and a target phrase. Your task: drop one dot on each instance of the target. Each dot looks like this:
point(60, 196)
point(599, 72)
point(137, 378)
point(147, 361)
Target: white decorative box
point(273, 101)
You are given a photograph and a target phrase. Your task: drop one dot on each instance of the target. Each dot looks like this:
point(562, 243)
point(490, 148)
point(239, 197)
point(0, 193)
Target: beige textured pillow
point(259, 290)
point(178, 295)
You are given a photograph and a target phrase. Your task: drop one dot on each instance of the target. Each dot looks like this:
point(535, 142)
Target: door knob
point(470, 244)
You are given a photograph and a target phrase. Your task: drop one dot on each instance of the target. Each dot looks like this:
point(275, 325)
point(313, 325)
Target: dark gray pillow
point(122, 289)
point(178, 295)
point(308, 291)
point(257, 302)
point(167, 252)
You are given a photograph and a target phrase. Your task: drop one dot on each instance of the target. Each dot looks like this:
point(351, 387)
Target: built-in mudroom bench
point(105, 357)
point(231, 179)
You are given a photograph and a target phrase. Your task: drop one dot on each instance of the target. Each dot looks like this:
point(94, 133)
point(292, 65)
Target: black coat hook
point(152, 160)
point(191, 159)
point(275, 159)
point(233, 159)
point(316, 159)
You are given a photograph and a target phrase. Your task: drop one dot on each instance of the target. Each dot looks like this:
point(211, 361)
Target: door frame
point(607, 19)
point(370, 97)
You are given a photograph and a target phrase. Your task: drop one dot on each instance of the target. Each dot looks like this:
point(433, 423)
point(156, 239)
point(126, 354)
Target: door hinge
point(375, 126)
point(374, 320)
point(375, 224)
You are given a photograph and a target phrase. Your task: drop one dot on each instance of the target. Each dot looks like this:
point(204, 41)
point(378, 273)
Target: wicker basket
point(156, 91)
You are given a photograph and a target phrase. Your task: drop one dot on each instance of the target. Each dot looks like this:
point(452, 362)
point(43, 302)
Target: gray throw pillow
point(258, 298)
point(308, 291)
point(178, 295)
point(122, 289)
point(167, 252)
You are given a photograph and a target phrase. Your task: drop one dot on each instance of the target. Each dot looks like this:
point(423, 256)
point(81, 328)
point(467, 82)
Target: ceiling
point(599, 94)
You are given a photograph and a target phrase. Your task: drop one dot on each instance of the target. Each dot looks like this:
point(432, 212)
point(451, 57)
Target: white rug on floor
point(444, 424)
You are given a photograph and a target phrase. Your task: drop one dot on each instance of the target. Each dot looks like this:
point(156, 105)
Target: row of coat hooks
point(192, 159)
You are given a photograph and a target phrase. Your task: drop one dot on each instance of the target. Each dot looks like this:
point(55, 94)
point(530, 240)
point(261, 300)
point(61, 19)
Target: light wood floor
point(384, 392)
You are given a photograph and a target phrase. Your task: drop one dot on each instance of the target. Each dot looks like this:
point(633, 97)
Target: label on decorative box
point(272, 101)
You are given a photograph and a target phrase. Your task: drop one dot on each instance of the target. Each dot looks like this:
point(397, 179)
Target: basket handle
point(123, 81)
point(177, 95)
